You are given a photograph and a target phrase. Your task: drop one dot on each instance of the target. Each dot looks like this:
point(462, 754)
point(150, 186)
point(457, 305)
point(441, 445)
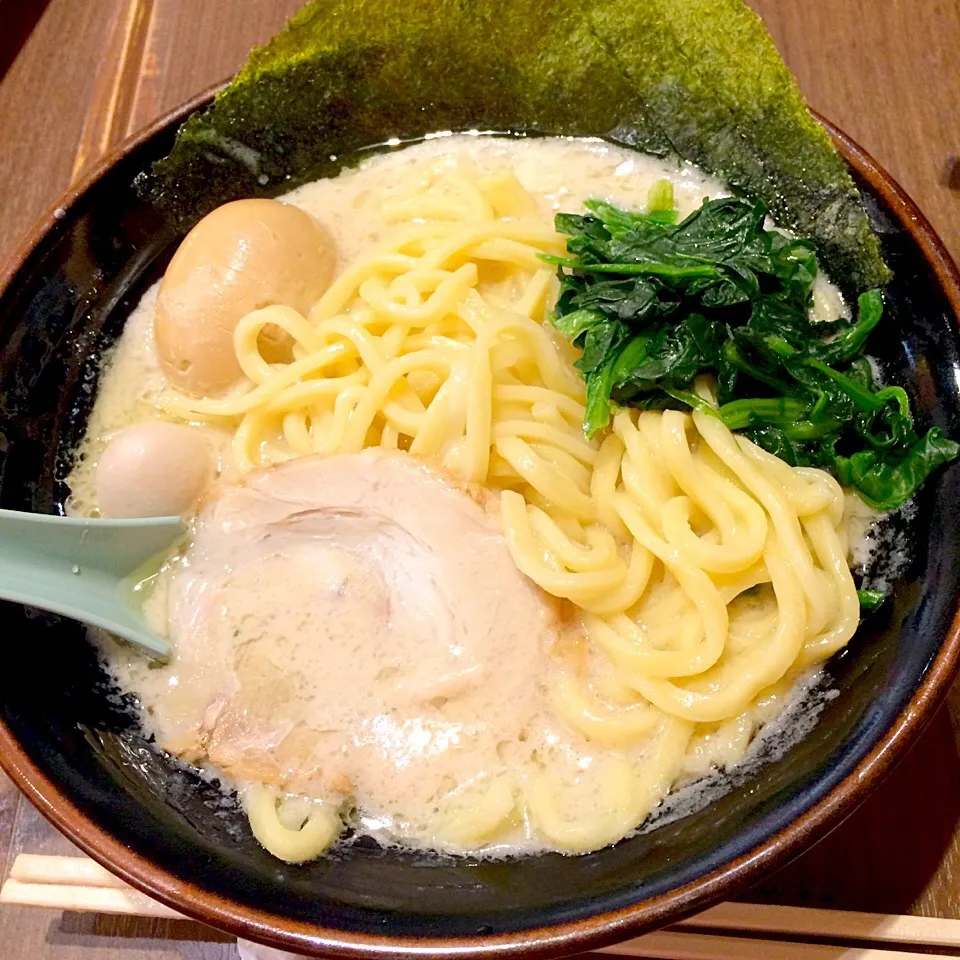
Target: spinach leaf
point(870, 599)
point(654, 303)
point(884, 482)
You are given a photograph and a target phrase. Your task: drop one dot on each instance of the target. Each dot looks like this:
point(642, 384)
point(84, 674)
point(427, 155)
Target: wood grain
point(207, 42)
point(91, 73)
point(43, 108)
point(886, 71)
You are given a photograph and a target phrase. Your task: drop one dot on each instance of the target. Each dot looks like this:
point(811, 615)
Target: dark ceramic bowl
point(80, 759)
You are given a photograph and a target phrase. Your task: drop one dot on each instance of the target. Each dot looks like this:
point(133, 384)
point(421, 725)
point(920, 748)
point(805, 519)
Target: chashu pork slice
point(353, 626)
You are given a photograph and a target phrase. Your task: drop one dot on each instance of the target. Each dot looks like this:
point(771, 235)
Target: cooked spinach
point(870, 600)
point(654, 303)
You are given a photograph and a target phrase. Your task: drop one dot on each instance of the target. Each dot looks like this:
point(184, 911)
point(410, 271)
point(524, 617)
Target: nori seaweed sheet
point(696, 78)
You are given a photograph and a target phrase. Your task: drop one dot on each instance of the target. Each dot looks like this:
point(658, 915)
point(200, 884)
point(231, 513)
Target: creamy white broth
point(327, 728)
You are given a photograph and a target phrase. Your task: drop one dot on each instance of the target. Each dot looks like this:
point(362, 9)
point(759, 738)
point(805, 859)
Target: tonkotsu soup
point(418, 599)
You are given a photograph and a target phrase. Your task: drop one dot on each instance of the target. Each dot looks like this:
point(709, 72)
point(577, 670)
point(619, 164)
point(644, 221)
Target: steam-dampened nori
point(699, 78)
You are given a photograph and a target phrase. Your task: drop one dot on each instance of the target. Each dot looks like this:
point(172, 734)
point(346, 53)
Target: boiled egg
point(243, 256)
point(152, 469)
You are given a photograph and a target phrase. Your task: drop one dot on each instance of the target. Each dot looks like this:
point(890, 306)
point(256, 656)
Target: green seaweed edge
point(699, 79)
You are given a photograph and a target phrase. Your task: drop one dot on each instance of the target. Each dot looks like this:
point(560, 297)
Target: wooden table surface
point(77, 77)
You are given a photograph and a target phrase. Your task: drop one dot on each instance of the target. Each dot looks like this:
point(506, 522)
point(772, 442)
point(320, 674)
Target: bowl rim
point(589, 933)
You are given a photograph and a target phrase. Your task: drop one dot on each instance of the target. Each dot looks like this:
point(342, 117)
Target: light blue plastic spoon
point(85, 569)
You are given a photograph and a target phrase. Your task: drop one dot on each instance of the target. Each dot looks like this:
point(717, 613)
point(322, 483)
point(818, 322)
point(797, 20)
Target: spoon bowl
point(85, 569)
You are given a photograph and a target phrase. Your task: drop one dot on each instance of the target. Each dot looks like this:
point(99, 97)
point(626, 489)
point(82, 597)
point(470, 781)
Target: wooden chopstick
point(75, 883)
point(731, 931)
point(677, 945)
point(65, 871)
point(63, 896)
point(827, 924)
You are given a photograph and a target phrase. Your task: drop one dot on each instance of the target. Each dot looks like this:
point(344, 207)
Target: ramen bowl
point(73, 747)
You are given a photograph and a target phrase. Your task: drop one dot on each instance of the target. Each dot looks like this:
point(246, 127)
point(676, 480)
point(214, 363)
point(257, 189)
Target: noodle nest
point(704, 573)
